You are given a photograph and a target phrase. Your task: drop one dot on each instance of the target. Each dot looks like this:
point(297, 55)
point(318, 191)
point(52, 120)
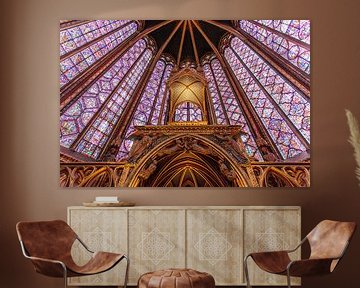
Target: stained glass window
point(298, 29)
point(278, 104)
point(291, 101)
point(181, 112)
point(72, 63)
point(165, 109)
point(188, 111)
point(195, 113)
point(289, 38)
point(161, 96)
point(97, 135)
point(148, 110)
point(77, 36)
point(221, 118)
point(76, 116)
point(226, 105)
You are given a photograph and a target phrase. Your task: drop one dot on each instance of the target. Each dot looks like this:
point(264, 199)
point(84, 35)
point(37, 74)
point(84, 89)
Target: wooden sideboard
point(212, 239)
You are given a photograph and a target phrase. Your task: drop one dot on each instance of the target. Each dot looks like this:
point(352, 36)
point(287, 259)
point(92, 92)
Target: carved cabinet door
point(156, 240)
point(270, 230)
point(214, 244)
point(101, 230)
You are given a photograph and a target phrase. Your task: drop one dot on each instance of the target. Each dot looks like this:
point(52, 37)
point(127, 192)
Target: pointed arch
point(217, 154)
point(187, 167)
point(275, 177)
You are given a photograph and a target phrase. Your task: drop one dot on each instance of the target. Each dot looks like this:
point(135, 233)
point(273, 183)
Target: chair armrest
point(309, 267)
point(281, 251)
point(271, 261)
point(46, 260)
point(49, 267)
point(268, 253)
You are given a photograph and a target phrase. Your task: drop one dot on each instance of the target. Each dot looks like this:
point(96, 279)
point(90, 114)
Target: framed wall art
point(185, 103)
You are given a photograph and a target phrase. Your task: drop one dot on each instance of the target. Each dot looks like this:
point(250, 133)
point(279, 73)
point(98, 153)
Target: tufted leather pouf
point(176, 278)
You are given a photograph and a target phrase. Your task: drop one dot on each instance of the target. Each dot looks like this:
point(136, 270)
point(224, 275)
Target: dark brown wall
point(30, 116)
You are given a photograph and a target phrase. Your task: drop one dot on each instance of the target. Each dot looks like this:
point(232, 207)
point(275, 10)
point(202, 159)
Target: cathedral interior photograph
point(185, 103)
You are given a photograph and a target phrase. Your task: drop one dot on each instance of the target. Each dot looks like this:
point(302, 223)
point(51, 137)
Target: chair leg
point(65, 276)
point(126, 271)
point(288, 278)
point(246, 270)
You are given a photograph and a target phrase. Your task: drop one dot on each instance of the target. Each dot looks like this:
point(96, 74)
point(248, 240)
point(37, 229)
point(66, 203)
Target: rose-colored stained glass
point(292, 102)
point(215, 97)
point(149, 104)
point(298, 29)
point(77, 115)
point(286, 47)
point(157, 106)
point(223, 98)
point(195, 113)
point(166, 109)
point(98, 134)
point(287, 142)
point(181, 112)
point(187, 111)
point(74, 64)
point(77, 36)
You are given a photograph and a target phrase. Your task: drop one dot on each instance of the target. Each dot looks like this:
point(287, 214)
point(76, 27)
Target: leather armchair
point(48, 245)
point(328, 242)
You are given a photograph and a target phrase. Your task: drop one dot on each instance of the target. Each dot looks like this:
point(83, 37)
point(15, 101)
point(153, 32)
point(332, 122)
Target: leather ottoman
point(176, 278)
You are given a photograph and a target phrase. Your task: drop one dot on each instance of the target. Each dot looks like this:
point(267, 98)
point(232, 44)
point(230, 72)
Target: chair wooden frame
point(66, 271)
point(304, 267)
